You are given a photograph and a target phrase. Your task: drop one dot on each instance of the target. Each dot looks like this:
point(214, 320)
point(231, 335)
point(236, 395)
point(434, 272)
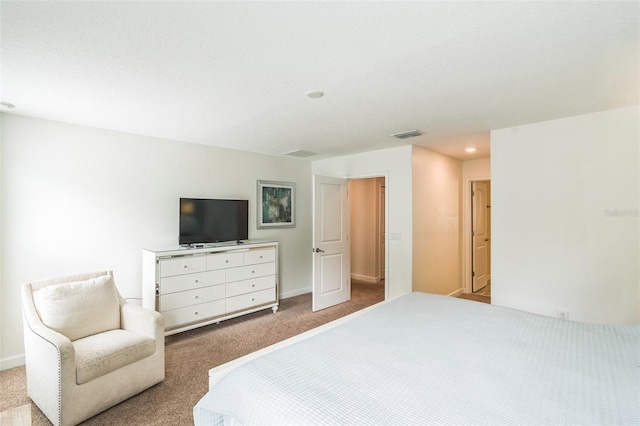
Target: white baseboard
point(294, 293)
point(456, 293)
point(365, 278)
point(14, 361)
point(298, 292)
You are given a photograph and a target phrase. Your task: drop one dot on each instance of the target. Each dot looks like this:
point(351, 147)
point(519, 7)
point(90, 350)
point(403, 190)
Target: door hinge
point(473, 274)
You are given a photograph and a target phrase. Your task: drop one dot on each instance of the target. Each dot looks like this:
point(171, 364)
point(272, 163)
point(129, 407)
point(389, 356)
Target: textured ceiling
point(235, 74)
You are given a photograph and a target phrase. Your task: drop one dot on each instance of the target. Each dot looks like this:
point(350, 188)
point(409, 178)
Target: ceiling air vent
point(300, 153)
point(408, 134)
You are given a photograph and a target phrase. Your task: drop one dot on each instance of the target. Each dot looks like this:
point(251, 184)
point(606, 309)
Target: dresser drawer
point(224, 260)
point(182, 265)
point(251, 271)
point(248, 286)
point(260, 256)
point(191, 297)
point(191, 281)
point(248, 300)
point(194, 313)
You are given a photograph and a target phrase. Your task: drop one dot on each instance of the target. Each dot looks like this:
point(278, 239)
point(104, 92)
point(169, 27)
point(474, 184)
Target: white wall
point(78, 199)
point(396, 164)
point(437, 183)
point(476, 169)
point(565, 200)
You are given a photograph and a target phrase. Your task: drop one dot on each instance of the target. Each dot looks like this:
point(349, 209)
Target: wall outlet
point(563, 314)
point(395, 236)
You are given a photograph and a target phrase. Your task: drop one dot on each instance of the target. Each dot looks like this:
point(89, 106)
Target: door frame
point(384, 175)
point(467, 239)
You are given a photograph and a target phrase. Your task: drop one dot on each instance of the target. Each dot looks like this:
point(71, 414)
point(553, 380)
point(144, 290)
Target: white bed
point(427, 359)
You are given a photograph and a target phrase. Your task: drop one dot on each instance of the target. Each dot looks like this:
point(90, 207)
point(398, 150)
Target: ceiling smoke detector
point(408, 134)
point(300, 153)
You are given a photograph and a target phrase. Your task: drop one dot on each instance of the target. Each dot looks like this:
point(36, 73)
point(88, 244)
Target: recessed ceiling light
point(314, 94)
point(7, 105)
point(470, 150)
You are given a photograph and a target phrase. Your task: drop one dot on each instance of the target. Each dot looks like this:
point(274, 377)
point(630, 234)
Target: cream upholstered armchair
point(86, 349)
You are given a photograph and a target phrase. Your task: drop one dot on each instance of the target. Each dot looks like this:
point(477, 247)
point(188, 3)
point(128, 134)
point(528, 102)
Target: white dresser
point(192, 287)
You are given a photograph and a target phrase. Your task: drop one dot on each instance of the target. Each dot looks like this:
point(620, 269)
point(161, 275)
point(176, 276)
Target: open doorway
point(367, 235)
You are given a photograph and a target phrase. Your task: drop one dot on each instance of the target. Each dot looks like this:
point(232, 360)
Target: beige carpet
point(189, 356)
point(483, 295)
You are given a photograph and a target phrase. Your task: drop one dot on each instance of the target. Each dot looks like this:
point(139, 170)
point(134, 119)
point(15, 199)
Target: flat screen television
point(205, 221)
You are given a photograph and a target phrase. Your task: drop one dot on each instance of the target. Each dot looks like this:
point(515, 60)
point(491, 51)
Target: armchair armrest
point(36, 327)
point(142, 321)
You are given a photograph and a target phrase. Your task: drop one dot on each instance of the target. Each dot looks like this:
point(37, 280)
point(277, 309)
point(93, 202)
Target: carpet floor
point(484, 295)
point(189, 356)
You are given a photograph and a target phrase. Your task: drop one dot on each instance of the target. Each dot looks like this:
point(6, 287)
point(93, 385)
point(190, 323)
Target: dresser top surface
point(211, 248)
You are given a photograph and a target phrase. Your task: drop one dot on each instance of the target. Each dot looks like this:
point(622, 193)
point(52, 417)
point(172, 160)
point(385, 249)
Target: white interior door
point(480, 254)
point(331, 252)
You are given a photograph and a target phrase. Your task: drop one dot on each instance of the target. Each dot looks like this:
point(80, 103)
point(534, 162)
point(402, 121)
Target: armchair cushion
point(102, 353)
point(81, 308)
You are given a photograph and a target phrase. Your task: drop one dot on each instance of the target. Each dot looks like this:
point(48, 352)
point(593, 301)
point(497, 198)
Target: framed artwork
point(276, 204)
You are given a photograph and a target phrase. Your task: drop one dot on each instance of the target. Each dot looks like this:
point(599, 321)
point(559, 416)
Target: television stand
point(193, 287)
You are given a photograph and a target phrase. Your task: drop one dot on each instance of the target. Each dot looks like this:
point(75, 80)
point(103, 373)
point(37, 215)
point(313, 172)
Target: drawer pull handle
point(196, 297)
point(197, 281)
point(252, 299)
point(185, 266)
point(226, 261)
point(253, 285)
point(196, 313)
point(260, 257)
point(253, 272)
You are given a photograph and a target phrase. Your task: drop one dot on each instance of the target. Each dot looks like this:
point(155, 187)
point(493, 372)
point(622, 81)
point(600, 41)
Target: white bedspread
point(425, 359)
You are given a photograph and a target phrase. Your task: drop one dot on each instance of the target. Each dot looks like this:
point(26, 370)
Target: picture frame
point(276, 203)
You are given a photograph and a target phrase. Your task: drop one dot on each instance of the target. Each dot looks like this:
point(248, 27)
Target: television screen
point(205, 221)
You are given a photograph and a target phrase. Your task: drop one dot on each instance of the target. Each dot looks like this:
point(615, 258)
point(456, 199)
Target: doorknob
point(486, 239)
point(317, 250)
